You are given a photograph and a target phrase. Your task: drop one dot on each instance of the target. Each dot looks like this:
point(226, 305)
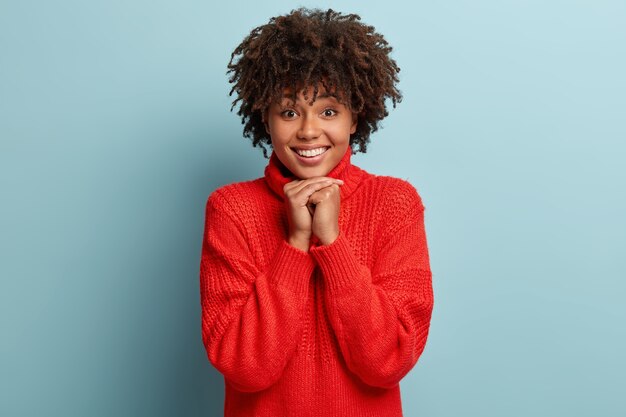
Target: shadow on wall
point(213, 399)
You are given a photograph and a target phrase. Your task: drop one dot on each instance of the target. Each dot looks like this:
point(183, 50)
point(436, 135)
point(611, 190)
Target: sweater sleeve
point(250, 317)
point(381, 316)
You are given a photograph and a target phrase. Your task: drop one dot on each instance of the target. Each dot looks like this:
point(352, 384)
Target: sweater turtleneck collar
point(277, 175)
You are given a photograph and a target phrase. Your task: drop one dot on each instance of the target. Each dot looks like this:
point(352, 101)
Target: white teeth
point(312, 152)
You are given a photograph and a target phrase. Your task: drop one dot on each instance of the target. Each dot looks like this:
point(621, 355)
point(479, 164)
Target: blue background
point(115, 127)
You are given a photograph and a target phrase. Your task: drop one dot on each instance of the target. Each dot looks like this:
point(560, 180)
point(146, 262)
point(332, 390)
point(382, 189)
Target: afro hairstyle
point(313, 48)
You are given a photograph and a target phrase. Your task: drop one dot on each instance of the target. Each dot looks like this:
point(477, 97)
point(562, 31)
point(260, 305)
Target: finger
point(323, 194)
point(315, 188)
point(311, 186)
point(297, 184)
point(325, 181)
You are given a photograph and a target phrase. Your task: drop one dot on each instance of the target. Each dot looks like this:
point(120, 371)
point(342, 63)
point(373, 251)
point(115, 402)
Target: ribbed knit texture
point(328, 332)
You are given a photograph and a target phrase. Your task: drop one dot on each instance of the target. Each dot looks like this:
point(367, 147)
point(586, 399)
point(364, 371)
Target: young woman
point(315, 280)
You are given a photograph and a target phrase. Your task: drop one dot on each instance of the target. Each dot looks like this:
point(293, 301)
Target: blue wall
point(115, 127)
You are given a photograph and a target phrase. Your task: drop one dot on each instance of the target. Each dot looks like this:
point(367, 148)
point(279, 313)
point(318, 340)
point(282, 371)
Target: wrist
point(300, 242)
point(327, 240)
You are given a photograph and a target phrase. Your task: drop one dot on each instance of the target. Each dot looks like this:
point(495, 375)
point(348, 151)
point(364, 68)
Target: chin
point(304, 174)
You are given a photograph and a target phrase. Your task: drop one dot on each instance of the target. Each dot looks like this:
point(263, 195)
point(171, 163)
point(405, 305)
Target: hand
point(300, 210)
point(325, 223)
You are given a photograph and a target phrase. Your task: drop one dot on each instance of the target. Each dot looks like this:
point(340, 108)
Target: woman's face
point(323, 129)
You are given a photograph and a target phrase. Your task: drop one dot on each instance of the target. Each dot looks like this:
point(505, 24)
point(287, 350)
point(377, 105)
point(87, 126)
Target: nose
point(309, 128)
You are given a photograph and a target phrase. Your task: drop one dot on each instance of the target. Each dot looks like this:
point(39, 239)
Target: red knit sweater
point(328, 332)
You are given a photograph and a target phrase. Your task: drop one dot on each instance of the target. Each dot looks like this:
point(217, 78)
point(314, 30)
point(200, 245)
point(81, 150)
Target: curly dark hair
point(309, 47)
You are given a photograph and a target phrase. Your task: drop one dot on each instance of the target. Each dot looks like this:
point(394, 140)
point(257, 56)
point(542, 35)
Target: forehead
point(289, 96)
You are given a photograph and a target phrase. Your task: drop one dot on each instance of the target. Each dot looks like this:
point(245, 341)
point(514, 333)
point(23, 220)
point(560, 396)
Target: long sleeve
point(381, 317)
point(250, 317)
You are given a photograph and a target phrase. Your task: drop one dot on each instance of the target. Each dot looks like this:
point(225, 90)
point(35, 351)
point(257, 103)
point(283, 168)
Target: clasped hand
point(313, 209)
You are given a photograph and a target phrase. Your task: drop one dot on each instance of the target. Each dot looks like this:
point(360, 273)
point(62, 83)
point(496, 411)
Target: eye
point(288, 114)
point(329, 112)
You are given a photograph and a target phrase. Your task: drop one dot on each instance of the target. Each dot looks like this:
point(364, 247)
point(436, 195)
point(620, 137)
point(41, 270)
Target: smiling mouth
point(312, 153)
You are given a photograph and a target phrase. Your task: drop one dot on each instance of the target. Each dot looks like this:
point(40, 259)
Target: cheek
point(342, 132)
point(278, 131)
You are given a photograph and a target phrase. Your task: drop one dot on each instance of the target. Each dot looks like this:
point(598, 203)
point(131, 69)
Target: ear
point(264, 119)
point(355, 122)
